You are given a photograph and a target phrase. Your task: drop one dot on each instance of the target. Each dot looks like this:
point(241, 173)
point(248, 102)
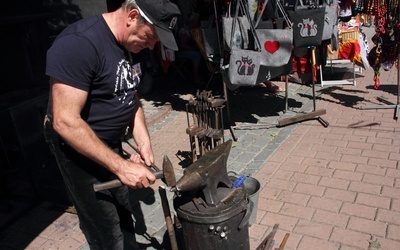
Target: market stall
point(352, 50)
point(386, 51)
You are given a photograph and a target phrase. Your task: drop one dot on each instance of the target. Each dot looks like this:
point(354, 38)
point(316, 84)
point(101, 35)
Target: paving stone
point(350, 237)
point(388, 216)
point(373, 200)
point(297, 211)
point(324, 204)
point(375, 228)
point(341, 195)
point(310, 242)
point(313, 229)
point(309, 189)
point(331, 218)
point(294, 198)
point(362, 187)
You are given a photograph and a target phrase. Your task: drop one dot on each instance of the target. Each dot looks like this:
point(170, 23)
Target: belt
point(113, 143)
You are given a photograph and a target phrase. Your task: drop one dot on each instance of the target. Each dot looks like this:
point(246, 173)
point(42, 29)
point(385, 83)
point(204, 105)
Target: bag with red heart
point(276, 45)
point(276, 38)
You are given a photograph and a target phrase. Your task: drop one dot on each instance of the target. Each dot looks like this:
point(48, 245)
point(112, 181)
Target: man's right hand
point(136, 175)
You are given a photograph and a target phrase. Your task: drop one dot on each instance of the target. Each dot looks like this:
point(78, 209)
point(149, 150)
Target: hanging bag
point(210, 37)
point(307, 24)
point(239, 32)
point(276, 43)
point(331, 18)
point(244, 65)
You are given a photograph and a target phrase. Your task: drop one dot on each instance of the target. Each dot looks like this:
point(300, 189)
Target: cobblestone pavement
point(335, 187)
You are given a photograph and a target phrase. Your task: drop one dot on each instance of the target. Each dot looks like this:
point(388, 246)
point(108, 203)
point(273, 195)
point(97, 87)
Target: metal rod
point(286, 93)
point(266, 243)
point(168, 219)
point(117, 183)
point(283, 243)
point(221, 62)
point(188, 122)
point(313, 62)
point(137, 151)
point(396, 112)
point(107, 185)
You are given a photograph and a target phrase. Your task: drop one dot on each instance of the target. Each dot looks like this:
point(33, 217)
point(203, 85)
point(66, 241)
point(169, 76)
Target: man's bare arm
point(67, 105)
point(141, 135)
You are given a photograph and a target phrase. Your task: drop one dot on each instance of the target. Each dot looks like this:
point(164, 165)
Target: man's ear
point(133, 16)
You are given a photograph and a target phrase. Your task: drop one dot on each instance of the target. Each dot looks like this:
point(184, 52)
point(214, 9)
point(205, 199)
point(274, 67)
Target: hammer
point(167, 175)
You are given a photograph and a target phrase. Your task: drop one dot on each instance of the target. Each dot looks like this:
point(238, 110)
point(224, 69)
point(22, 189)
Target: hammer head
point(168, 172)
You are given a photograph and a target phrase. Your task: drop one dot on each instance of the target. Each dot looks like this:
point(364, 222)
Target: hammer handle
point(117, 183)
point(107, 185)
point(137, 151)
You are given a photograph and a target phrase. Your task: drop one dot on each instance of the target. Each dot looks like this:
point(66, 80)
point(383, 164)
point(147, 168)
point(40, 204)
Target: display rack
point(389, 105)
point(386, 18)
point(315, 114)
point(334, 62)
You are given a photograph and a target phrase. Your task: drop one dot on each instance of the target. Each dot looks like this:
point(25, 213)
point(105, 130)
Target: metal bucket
point(253, 187)
point(224, 226)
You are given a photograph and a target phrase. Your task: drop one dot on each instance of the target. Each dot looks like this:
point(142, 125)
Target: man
point(92, 101)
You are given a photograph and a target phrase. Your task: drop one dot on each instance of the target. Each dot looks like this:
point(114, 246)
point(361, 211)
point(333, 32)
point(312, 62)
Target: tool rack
point(206, 128)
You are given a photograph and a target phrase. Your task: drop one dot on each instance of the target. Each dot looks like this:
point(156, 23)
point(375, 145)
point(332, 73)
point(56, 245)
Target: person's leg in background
point(196, 59)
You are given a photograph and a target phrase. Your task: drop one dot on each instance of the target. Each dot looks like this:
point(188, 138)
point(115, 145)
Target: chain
point(359, 5)
point(370, 6)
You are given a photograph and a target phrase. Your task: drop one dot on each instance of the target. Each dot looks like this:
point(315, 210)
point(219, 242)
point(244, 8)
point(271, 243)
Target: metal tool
point(168, 219)
point(155, 168)
point(283, 243)
point(167, 175)
point(207, 129)
point(207, 173)
point(268, 242)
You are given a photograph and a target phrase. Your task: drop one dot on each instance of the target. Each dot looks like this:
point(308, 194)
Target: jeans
point(105, 217)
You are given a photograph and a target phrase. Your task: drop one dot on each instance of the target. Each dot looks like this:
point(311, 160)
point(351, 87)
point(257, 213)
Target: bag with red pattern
point(308, 24)
point(244, 65)
point(276, 37)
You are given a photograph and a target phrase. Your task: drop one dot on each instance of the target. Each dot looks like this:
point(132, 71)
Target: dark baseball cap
point(164, 16)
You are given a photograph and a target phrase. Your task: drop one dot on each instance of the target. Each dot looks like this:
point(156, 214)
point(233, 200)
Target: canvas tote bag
point(331, 18)
point(244, 65)
point(276, 43)
point(308, 25)
point(239, 32)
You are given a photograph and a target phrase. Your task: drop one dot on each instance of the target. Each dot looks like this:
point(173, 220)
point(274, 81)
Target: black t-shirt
point(87, 56)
